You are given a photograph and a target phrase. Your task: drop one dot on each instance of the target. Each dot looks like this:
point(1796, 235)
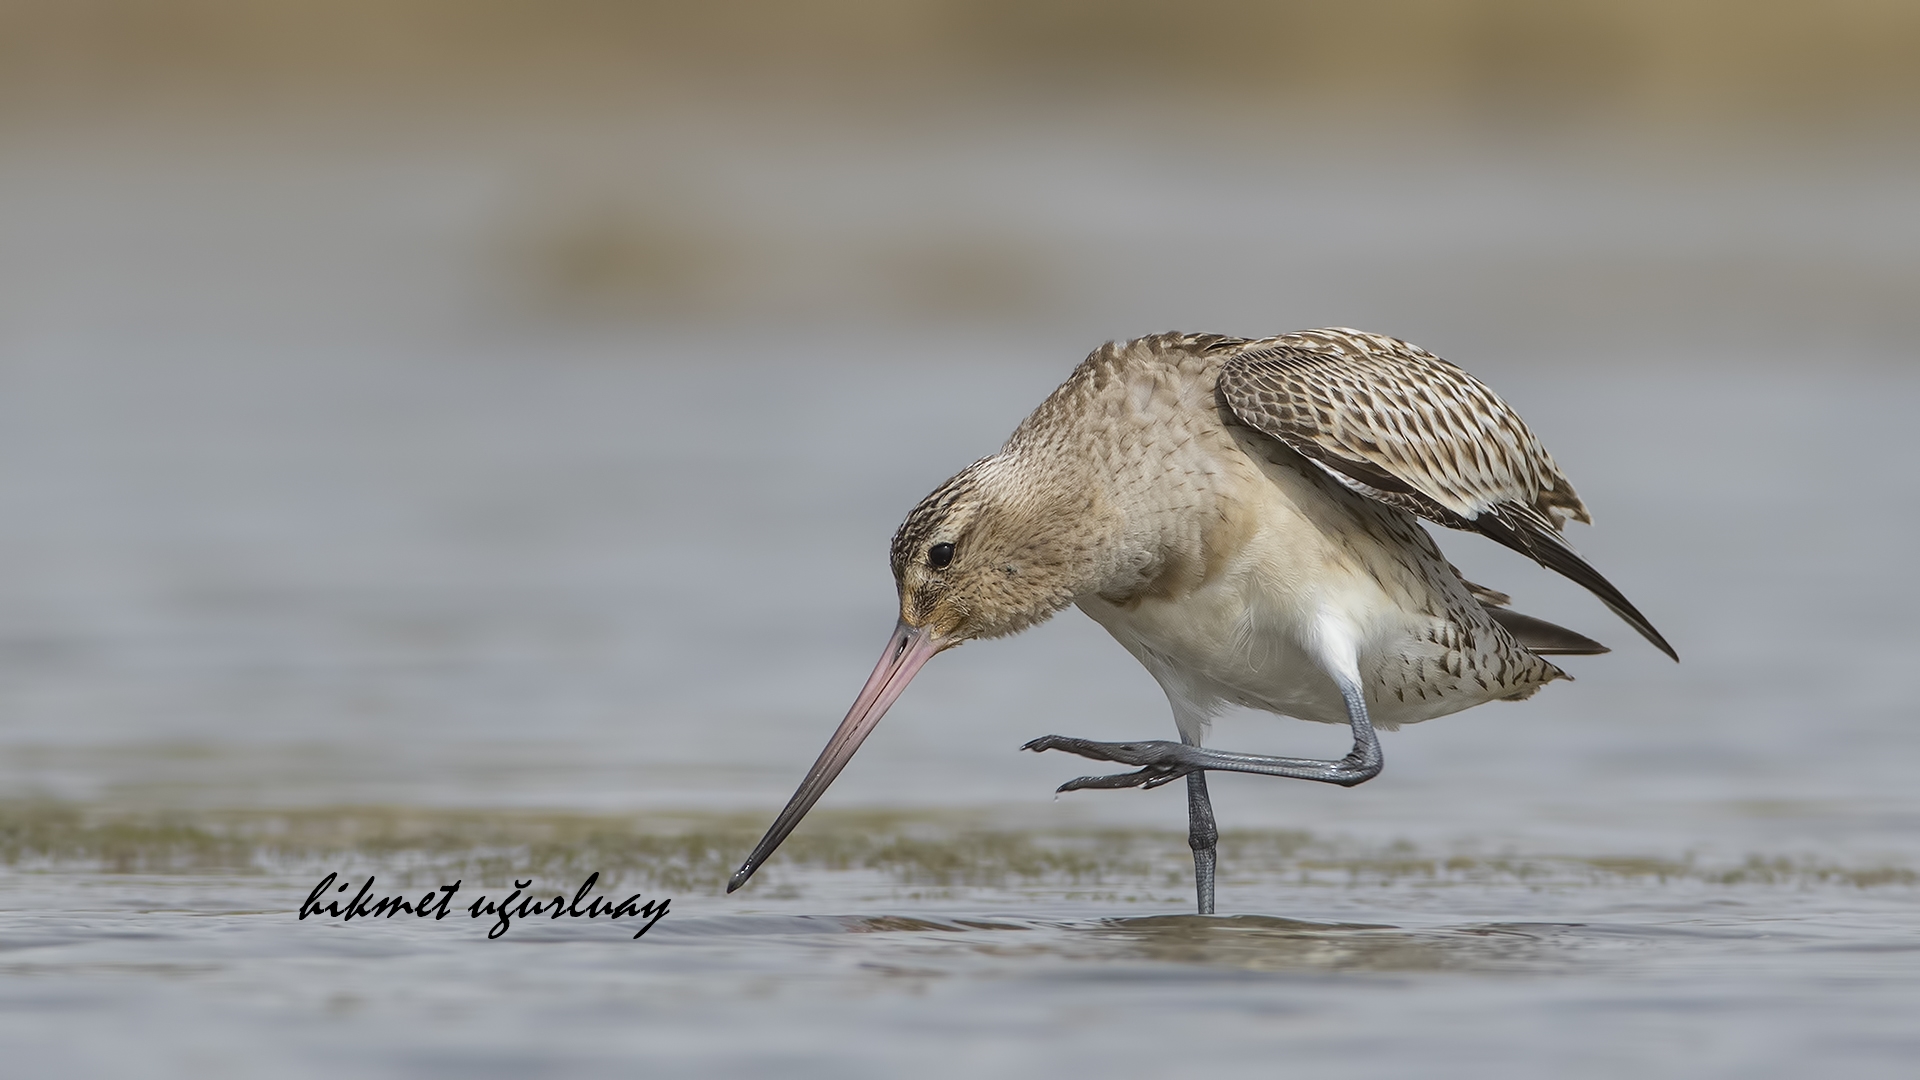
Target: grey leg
point(1202, 837)
point(1162, 762)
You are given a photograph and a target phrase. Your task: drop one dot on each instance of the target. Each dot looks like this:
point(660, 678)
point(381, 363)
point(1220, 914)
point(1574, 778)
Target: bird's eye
point(939, 556)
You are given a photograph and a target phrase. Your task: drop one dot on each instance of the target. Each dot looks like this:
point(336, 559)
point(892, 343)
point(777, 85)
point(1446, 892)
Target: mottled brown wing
point(1392, 416)
point(1401, 426)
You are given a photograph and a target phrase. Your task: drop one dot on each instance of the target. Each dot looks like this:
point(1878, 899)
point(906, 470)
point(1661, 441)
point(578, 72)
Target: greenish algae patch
point(683, 852)
point(696, 852)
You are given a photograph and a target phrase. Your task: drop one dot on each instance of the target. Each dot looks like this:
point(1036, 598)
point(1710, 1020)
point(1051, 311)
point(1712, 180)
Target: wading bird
point(1240, 516)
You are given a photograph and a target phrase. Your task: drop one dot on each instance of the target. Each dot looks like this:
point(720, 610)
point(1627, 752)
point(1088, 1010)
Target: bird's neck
point(1093, 531)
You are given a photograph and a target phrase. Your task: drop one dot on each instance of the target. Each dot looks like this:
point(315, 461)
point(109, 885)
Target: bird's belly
point(1212, 650)
point(1247, 640)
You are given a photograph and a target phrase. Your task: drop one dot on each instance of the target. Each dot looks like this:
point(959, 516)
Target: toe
point(1115, 780)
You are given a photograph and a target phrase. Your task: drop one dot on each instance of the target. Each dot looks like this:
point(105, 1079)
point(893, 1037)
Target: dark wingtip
point(1550, 550)
point(1639, 622)
point(1619, 606)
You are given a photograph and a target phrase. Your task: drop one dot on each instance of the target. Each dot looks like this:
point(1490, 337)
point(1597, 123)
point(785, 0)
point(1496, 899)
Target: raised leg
point(1202, 837)
point(1162, 762)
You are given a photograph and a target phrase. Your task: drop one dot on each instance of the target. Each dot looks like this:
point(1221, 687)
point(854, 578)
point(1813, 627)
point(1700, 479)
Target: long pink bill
point(907, 651)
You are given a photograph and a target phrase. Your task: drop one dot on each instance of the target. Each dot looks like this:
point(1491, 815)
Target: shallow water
point(934, 945)
point(319, 562)
point(1379, 967)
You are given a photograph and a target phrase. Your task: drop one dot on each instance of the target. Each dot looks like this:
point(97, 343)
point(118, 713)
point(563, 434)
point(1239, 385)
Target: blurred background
point(485, 401)
point(447, 437)
point(509, 403)
point(1731, 172)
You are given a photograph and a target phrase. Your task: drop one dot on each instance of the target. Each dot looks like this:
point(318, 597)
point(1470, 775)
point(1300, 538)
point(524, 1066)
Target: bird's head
point(990, 552)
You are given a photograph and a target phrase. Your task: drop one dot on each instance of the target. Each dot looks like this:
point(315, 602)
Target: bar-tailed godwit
point(1240, 516)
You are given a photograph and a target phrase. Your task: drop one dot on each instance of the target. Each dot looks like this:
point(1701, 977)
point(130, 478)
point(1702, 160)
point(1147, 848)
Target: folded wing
point(1403, 427)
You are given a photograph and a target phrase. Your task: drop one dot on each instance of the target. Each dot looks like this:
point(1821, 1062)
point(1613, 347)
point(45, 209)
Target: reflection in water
point(1253, 943)
point(1266, 943)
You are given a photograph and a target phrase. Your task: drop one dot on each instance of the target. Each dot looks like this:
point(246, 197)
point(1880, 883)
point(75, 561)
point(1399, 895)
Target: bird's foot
point(1160, 761)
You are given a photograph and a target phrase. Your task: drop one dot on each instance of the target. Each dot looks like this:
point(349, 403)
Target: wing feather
point(1401, 426)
